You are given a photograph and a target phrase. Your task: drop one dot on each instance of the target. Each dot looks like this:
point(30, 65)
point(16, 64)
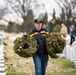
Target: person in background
point(71, 33)
point(41, 57)
point(64, 31)
point(44, 26)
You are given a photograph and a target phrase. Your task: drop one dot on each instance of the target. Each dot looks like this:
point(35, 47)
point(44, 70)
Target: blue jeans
point(40, 62)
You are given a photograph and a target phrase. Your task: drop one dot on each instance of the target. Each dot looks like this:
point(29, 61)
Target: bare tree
point(20, 8)
point(68, 8)
point(2, 12)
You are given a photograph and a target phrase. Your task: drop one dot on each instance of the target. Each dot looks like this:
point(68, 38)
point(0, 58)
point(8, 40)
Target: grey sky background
point(49, 6)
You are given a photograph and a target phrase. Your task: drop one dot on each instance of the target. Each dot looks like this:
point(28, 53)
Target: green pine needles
point(25, 46)
point(55, 44)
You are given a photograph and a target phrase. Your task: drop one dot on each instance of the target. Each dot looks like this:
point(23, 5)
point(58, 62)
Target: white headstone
point(2, 67)
point(67, 52)
point(68, 39)
point(74, 48)
point(1, 43)
point(75, 64)
point(3, 73)
point(72, 56)
point(75, 38)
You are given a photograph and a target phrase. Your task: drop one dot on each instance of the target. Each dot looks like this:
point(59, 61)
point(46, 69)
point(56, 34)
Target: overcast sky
point(49, 6)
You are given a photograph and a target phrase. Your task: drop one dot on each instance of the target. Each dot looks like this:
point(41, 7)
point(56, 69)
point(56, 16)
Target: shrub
point(56, 28)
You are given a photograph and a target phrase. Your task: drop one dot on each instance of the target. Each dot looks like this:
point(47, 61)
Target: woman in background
point(71, 33)
point(64, 31)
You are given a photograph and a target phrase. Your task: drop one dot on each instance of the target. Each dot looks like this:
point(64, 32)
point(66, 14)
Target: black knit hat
point(38, 20)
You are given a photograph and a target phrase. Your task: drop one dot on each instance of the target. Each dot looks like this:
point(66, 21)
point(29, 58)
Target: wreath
point(25, 46)
point(55, 44)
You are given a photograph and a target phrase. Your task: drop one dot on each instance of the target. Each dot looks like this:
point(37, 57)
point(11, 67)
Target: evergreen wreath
point(25, 46)
point(55, 44)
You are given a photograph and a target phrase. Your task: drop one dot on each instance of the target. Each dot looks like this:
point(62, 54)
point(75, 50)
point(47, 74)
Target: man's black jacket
point(40, 36)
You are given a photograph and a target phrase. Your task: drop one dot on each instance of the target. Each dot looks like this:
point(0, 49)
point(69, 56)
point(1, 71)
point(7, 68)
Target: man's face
point(38, 25)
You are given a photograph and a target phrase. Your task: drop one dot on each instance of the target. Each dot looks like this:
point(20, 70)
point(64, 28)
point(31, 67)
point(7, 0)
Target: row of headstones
point(69, 52)
point(2, 65)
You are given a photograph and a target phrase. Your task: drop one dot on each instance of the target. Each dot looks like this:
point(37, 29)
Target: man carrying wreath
point(41, 57)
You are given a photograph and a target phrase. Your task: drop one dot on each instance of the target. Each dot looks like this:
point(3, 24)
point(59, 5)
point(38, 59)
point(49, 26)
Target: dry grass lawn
point(15, 63)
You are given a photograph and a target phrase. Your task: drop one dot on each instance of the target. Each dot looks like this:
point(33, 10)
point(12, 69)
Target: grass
point(16, 65)
point(65, 73)
point(17, 74)
point(59, 66)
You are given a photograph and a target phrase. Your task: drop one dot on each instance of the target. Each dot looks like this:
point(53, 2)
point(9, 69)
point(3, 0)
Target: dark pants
point(40, 62)
point(72, 39)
